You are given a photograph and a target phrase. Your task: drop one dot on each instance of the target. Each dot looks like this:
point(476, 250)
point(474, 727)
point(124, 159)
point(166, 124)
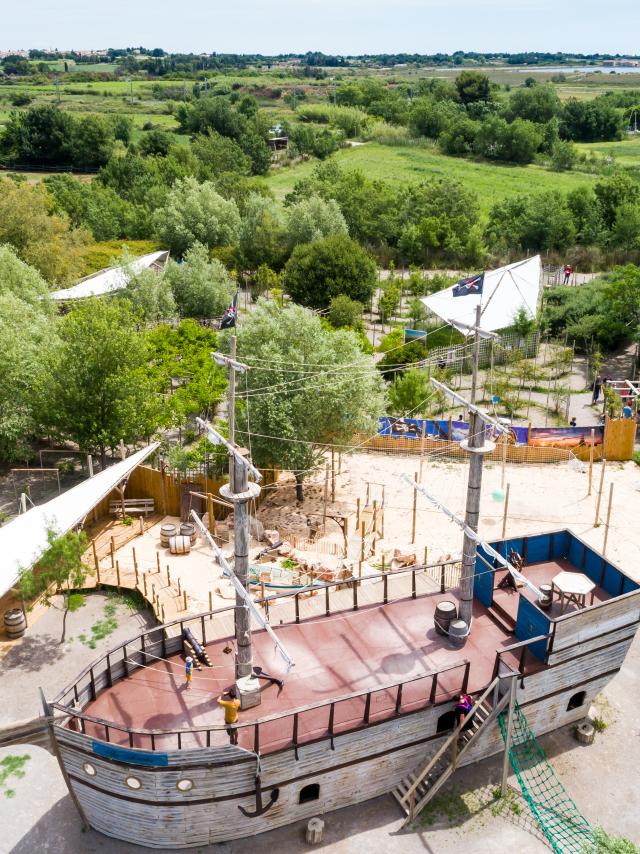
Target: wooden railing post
point(294, 736)
point(385, 588)
point(413, 584)
point(367, 708)
point(327, 602)
point(399, 699)
point(434, 689)
point(443, 585)
point(297, 606)
point(355, 595)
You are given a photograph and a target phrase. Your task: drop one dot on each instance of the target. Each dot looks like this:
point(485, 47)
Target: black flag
point(231, 314)
point(472, 285)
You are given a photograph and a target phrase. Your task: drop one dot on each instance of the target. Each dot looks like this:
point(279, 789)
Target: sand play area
point(541, 498)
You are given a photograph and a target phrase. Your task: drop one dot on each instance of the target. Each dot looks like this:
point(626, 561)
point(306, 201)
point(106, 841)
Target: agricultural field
point(490, 181)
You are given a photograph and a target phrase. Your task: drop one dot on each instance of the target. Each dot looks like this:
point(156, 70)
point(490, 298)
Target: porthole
point(89, 769)
point(184, 785)
point(133, 783)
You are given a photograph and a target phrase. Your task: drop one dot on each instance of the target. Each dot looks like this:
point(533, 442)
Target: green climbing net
point(559, 818)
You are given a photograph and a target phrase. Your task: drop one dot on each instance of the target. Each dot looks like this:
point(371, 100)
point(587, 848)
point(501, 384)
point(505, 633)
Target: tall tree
point(201, 287)
point(337, 392)
point(97, 388)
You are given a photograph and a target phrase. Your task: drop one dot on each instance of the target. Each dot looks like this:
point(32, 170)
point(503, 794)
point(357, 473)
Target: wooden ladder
point(415, 791)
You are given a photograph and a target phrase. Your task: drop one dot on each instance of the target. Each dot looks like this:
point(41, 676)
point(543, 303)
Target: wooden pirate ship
point(368, 707)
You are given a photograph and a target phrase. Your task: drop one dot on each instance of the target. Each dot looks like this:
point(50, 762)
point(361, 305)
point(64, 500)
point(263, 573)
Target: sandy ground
point(541, 498)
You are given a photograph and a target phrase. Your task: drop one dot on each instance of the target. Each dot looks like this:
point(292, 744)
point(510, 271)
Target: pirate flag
point(472, 285)
point(231, 314)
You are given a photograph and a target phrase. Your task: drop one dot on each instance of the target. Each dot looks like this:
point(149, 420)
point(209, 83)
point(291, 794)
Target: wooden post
point(360, 569)
point(96, 562)
point(425, 555)
point(339, 462)
point(591, 451)
point(325, 497)
point(184, 597)
point(507, 744)
point(118, 574)
point(163, 488)
point(449, 429)
point(382, 522)
point(366, 503)
point(135, 569)
point(168, 575)
point(362, 544)
point(164, 620)
point(504, 461)
point(529, 433)
point(141, 525)
point(211, 599)
point(606, 527)
point(374, 525)
point(212, 520)
point(135, 562)
point(596, 523)
point(113, 552)
point(357, 513)
point(414, 512)
point(384, 568)
point(158, 560)
point(506, 510)
point(179, 588)
point(333, 476)
point(144, 584)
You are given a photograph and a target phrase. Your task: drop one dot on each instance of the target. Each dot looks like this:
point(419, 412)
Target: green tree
point(201, 287)
point(156, 142)
point(473, 86)
point(263, 280)
point(337, 393)
point(345, 312)
point(262, 233)
point(151, 295)
point(317, 272)
point(60, 570)
point(96, 388)
point(196, 213)
point(219, 154)
point(536, 104)
point(312, 219)
point(612, 193)
point(410, 393)
point(563, 156)
point(389, 299)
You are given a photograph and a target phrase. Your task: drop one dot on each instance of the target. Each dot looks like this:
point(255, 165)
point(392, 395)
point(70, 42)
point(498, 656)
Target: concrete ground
point(38, 659)
point(602, 779)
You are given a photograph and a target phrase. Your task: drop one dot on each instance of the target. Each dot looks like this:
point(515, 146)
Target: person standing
point(188, 670)
point(568, 272)
point(597, 386)
point(230, 707)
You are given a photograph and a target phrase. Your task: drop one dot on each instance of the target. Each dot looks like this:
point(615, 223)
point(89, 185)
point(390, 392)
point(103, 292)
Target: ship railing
point(518, 657)
point(324, 598)
point(291, 729)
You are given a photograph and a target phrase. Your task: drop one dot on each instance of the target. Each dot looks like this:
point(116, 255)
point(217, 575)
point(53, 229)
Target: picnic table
point(573, 588)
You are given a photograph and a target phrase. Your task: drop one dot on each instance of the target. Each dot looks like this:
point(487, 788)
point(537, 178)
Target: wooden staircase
point(416, 790)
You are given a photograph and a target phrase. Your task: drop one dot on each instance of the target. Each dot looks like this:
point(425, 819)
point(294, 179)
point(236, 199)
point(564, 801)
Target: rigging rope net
point(559, 818)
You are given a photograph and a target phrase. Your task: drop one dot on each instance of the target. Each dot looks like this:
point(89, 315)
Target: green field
point(491, 181)
point(625, 153)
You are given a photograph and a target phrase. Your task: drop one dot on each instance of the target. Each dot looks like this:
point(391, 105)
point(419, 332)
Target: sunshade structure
point(501, 294)
point(114, 279)
point(24, 540)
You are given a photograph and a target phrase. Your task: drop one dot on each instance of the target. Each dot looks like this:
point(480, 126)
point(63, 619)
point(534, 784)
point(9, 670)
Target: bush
point(335, 265)
point(345, 312)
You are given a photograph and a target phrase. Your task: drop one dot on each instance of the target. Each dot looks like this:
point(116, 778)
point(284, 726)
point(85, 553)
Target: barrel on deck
point(180, 545)
point(458, 631)
point(445, 612)
point(546, 596)
point(166, 532)
point(14, 623)
point(188, 530)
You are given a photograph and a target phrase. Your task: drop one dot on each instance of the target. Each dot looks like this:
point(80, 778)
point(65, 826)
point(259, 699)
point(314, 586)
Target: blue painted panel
point(483, 579)
point(560, 544)
point(530, 623)
point(593, 565)
point(575, 552)
point(630, 585)
point(612, 579)
point(132, 757)
point(538, 548)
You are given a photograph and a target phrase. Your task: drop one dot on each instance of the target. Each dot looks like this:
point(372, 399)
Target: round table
point(573, 588)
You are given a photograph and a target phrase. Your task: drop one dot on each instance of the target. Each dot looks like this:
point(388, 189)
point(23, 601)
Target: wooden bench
point(132, 505)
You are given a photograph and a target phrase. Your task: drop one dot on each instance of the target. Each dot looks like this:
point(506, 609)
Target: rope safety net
point(559, 818)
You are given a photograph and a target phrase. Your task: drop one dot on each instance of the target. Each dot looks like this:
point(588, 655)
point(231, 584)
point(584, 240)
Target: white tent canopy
point(23, 540)
point(503, 293)
point(113, 279)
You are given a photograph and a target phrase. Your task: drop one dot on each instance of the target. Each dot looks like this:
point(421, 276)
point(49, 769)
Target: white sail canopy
point(23, 540)
point(501, 294)
point(113, 279)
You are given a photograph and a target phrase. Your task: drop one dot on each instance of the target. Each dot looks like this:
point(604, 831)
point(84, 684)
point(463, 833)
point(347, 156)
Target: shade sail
point(113, 279)
point(23, 540)
point(501, 294)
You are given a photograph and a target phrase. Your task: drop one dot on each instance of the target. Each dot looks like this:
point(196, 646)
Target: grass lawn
point(625, 153)
point(491, 182)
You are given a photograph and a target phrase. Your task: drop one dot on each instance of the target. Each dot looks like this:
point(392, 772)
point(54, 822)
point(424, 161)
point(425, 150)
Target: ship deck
point(364, 650)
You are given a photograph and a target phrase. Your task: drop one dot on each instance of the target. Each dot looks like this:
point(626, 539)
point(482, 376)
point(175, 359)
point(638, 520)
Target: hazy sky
point(333, 26)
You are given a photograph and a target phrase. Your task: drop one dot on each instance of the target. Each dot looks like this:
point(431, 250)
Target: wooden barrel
point(188, 530)
point(458, 630)
point(546, 596)
point(180, 545)
point(166, 532)
point(445, 612)
point(14, 623)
